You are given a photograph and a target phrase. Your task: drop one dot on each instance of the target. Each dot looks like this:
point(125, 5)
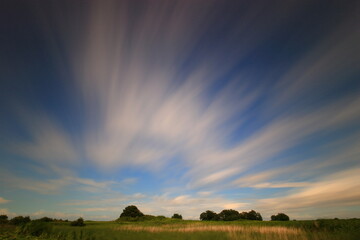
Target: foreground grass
point(196, 230)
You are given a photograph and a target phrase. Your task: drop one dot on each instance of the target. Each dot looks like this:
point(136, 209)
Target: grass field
point(191, 230)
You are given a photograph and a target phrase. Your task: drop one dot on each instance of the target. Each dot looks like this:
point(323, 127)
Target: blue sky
point(179, 106)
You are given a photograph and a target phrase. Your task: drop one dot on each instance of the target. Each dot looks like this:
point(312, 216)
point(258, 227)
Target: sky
point(179, 107)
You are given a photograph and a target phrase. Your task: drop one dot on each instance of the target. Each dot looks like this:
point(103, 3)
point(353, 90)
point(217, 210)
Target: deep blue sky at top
point(30, 74)
point(29, 71)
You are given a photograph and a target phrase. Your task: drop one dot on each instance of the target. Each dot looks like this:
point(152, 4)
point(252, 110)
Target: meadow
point(186, 229)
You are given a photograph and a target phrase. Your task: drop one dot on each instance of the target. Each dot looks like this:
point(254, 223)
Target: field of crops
point(191, 230)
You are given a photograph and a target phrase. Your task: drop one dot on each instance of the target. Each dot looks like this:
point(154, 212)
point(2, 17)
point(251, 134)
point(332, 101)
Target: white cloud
point(216, 177)
point(138, 195)
point(56, 185)
point(335, 156)
point(5, 211)
point(204, 193)
point(105, 209)
point(335, 190)
point(138, 112)
point(49, 143)
point(51, 186)
point(3, 200)
point(281, 185)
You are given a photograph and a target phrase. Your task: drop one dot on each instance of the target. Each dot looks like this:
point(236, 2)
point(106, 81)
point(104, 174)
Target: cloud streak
point(335, 190)
point(3, 200)
point(58, 185)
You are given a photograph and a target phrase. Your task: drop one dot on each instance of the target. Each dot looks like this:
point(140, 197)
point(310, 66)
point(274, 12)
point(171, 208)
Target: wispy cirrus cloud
point(335, 190)
point(45, 145)
point(136, 107)
point(59, 184)
point(139, 113)
point(277, 137)
point(337, 156)
point(3, 200)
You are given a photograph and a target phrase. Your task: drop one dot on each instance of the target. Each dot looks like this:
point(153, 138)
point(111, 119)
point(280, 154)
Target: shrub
point(145, 218)
point(78, 223)
point(142, 219)
point(229, 215)
point(253, 215)
point(176, 216)
point(133, 219)
point(131, 211)
point(35, 228)
point(3, 219)
point(209, 216)
point(280, 217)
point(46, 219)
point(19, 220)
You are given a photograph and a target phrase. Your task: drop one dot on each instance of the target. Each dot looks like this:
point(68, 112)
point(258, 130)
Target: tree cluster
point(131, 211)
point(78, 223)
point(176, 216)
point(46, 219)
point(19, 220)
point(209, 216)
point(230, 215)
point(280, 217)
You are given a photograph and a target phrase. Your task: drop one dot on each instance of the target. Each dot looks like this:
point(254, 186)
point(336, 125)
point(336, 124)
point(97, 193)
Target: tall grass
point(196, 230)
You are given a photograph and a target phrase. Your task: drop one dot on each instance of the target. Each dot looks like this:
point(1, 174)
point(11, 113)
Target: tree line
point(20, 220)
point(132, 213)
point(230, 215)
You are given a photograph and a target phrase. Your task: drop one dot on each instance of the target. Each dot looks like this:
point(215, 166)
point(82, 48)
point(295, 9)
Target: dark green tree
point(253, 215)
point(280, 217)
point(229, 215)
point(258, 216)
point(209, 216)
point(244, 215)
point(177, 216)
point(46, 219)
point(131, 211)
point(19, 220)
point(78, 223)
point(3, 219)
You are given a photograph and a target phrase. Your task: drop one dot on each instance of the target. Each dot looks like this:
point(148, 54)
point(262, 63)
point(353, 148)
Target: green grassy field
point(191, 230)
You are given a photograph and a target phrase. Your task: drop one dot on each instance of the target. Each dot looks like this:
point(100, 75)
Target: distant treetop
point(230, 215)
point(280, 217)
point(177, 216)
point(209, 216)
point(131, 211)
